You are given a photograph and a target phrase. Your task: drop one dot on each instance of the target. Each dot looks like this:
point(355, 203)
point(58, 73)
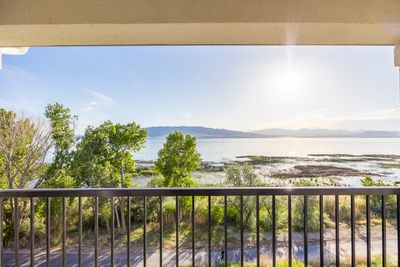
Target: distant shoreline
point(207, 133)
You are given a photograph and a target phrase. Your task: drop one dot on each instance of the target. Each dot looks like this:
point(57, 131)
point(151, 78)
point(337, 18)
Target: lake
point(225, 149)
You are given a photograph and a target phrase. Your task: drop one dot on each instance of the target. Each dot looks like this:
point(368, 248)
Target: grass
point(375, 262)
point(390, 165)
point(283, 262)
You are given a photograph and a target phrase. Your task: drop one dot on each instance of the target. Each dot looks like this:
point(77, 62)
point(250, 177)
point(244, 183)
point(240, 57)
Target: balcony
point(314, 242)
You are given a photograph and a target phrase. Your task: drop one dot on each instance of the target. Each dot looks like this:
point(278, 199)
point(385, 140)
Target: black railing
point(287, 193)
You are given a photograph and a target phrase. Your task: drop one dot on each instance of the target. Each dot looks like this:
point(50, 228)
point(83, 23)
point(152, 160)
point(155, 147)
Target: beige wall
point(112, 22)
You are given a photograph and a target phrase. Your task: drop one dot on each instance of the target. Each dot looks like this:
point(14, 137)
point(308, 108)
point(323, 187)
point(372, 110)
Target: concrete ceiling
point(176, 22)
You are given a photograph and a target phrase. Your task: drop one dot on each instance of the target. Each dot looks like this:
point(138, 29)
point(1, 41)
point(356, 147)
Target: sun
point(289, 79)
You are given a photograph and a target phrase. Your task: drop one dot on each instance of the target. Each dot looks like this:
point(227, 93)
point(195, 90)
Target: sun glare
point(285, 81)
point(289, 79)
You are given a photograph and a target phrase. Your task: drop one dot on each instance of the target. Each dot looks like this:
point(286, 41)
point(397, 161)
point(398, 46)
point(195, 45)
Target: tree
point(24, 145)
point(63, 126)
point(104, 156)
point(177, 160)
point(241, 175)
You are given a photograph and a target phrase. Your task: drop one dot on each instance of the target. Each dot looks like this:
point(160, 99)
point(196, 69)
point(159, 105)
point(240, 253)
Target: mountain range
point(200, 132)
point(204, 132)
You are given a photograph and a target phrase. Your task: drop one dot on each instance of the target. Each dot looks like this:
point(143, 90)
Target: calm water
point(228, 149)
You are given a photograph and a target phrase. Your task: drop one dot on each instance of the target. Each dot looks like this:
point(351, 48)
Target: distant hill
point(204, 132)
point(382, 134)
point(200, 132)
point(321, 133)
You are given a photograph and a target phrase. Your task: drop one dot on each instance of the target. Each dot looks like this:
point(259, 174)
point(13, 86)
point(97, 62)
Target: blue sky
point(234, 87)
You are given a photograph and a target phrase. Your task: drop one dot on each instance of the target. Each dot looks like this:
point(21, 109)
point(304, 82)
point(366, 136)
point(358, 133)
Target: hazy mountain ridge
point(204, 132)
point(200, 132)
point(321, 133)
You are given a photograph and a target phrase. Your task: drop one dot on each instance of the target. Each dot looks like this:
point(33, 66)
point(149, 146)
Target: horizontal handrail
point(201, 191)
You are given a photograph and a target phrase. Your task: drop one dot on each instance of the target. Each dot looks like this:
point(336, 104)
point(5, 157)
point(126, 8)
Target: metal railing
point(287, 193)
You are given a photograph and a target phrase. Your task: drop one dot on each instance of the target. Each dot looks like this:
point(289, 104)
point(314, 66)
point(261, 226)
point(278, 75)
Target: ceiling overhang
point(193, 22)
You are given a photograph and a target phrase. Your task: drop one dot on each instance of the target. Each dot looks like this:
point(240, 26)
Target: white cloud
point(100, 96)
point(91, 106)
point(93, 112)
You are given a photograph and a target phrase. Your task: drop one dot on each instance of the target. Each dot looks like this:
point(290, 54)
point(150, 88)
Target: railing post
point(368, 215)
point(112, 230)
point(383, 230)
point(128, 233)
point(177, 230)
point(241, 232)
point(64, 232)
point(16, 232)
point(48, 244)
point(258, 228)
point(1, 232)
point(209, 231)
point(144, 231)
point(321, 230)
point(273, 230)
point(225, 231)
point(290, 230)
point(398, 229)
point(96, 231)
point(161, 230)
point(353, 232)
point(337, 237)
point(80, 231)
point(305, 222)
point(193, 235)
point(32, 231)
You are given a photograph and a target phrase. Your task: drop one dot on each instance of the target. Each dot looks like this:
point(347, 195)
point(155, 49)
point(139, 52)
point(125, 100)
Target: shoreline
point(327, 169)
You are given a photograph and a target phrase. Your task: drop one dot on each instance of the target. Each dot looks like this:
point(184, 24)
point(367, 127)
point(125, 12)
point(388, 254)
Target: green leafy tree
point(241, 175)
point(63, 124)
point(24, 144)
point(177, 160)
point(376, 201)
point(104, 156)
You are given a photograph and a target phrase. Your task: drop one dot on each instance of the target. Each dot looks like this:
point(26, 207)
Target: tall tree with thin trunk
point(24, 145)
point(63, 125)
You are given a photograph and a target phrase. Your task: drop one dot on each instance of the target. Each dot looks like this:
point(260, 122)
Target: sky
point(233, 87)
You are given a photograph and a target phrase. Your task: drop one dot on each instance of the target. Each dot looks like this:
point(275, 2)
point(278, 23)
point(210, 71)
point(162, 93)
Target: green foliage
point(315, 182)
point(263, 263)
point(241, 175)
point(104, 154)
point(24, 144)
point(156, 181)
point(390, 165)
point(63, 131)
point(312, 213)
point(376, 201)
point(368, 181)
point(177, 160)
